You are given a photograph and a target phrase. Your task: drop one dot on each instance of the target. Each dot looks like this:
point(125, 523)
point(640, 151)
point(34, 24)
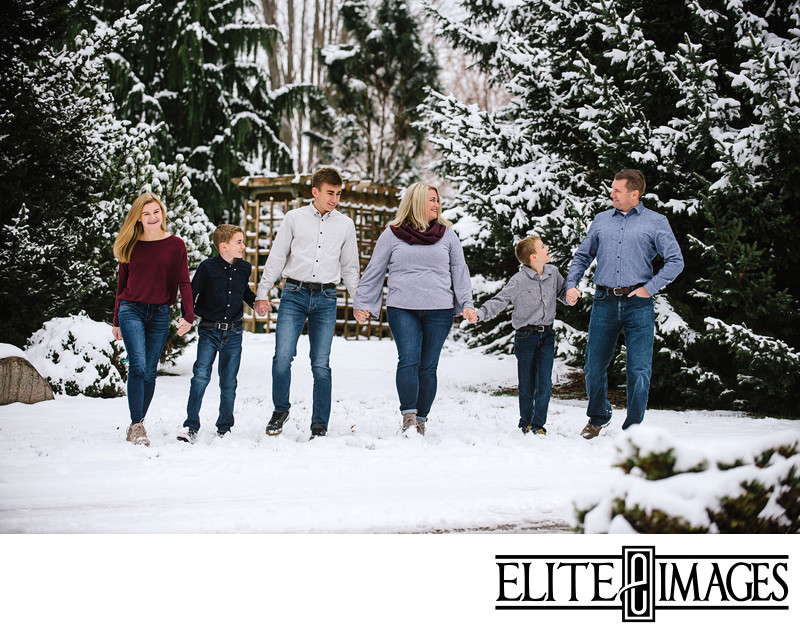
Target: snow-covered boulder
point(77, 355)
point(19, 380)
point(680, 486)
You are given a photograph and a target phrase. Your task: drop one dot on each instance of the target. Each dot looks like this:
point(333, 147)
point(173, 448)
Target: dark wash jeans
point(534, 351)
point(635, 317)
point(419, 335)
point(297, 305)
point(228, 344)
point(144, 329)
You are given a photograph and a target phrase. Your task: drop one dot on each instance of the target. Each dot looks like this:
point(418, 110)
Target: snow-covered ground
point(66, 468)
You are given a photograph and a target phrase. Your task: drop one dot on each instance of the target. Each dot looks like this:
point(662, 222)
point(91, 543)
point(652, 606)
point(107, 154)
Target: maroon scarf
point(412, 236)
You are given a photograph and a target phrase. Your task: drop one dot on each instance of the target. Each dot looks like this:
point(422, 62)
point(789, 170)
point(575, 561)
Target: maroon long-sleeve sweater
point(155, 273)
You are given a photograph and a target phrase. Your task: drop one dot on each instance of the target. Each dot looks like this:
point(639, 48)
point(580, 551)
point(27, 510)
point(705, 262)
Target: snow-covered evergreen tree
point(702, 96)
point(200, 73)
point(58, 135)
point(70, 169)
point(377, 79)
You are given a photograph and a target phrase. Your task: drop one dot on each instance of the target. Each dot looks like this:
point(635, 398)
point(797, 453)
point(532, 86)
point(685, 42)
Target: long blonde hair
point(413, 207)
point(132, 228)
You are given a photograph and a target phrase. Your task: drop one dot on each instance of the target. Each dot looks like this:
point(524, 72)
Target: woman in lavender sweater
point(428, 284)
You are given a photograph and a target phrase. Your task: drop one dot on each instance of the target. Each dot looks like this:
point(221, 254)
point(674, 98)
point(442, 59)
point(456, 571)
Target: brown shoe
point(590, 431)
point(421, 428)
point(409, 421)
point(136, 434)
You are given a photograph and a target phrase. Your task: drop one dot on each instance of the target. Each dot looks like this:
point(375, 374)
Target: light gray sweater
point(433, 276)
point(534, 297)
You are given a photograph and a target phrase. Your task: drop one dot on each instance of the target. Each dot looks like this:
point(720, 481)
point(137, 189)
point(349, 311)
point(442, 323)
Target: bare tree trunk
point(316, 44)
point(303, 77)
point(287, 135)
point(275, 71)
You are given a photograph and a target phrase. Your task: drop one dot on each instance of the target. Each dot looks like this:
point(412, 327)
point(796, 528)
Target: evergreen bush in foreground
point(676, 486)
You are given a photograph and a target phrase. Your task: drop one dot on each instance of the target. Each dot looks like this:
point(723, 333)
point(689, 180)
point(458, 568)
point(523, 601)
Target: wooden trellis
point(370, 206)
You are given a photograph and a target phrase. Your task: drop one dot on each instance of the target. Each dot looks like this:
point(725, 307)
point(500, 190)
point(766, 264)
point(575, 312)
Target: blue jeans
point(534, 351)
point(144, 329)
point(229, 346)
point(419, 335)
point(319, 308)
point(635, 316)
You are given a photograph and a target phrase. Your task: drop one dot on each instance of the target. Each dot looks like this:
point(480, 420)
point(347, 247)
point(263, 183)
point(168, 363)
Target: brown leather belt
point(620, 291)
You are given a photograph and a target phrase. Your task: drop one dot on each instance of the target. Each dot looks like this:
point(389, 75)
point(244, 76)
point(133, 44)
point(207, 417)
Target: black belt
point(221, 325)
point(620, 291)
point(539, 328)
point(312, 286)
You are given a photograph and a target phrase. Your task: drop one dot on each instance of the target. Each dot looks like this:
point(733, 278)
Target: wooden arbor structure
point(267, 199)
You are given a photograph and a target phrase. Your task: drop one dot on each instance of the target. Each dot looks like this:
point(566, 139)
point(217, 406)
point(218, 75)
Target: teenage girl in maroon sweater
point(152, 267)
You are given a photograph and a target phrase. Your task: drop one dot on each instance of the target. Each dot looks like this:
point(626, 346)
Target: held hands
point(573, 294)
point(183, 326)
point(470, 314)
point(262, 307)
point(361, 315)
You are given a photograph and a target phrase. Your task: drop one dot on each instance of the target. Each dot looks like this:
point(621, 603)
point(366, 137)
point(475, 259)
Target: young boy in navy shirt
point(220, 286)
point(533, 291)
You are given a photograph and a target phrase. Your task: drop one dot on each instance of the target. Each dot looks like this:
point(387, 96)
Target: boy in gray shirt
point(533, 292)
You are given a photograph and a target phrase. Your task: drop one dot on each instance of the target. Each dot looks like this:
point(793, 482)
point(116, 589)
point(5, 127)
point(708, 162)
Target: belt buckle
point(618, 291)
point(540, 328)
point(222, 326)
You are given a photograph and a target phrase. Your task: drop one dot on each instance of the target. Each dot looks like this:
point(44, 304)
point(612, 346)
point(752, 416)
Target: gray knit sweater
point(433, 276)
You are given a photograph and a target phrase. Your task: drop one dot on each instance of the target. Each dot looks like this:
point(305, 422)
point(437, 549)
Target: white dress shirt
point(313, 248)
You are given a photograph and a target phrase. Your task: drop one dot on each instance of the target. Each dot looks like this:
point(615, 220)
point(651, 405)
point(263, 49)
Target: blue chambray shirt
point(625, 245)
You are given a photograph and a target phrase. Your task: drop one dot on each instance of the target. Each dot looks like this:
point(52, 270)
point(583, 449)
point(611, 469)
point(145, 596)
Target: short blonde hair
point(413, 207)
point(526, 248)
point(224, 233)
point(132, 228)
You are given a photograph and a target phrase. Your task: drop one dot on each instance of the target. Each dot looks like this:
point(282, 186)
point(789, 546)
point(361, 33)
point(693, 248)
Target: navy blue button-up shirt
point(625, 245)
point(219, 289)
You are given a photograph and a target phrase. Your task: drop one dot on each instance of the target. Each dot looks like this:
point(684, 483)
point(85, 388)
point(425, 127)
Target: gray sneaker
point(187, 434)
point(137, 435)
point(590, 431)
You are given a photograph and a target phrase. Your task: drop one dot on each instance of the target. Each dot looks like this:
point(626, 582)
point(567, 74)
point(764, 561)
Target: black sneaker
point(187, 434)
point(275, 425)
point(223, 433)
point(318, 430)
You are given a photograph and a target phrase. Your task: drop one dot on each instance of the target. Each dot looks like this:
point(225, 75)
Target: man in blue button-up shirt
point(624, 240)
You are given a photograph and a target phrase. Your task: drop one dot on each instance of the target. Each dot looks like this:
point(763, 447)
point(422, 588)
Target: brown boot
point(590, 431)
point(136, 434)
point(409, 421)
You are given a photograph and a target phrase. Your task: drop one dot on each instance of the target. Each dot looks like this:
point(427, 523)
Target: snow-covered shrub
point(77, 355)
point(678, 486)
